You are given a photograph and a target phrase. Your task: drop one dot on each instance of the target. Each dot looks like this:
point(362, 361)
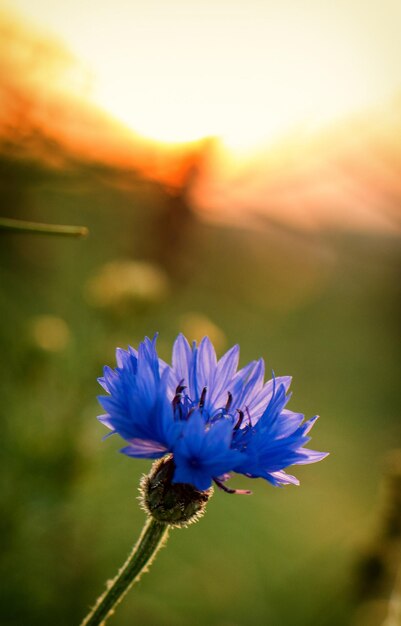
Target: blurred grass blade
point(20, 226)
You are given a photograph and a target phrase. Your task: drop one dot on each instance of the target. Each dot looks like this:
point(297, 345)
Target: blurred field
point(323, 306)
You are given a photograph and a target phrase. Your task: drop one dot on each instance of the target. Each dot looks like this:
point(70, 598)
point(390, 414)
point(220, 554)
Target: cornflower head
point(201, 419)
point(211, 417)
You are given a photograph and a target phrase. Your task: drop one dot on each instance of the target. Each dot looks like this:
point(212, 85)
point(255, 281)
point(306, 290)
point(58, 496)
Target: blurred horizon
point(246, 73)
point(343, 174)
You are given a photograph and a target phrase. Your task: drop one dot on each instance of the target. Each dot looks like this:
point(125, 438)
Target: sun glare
point(247, 72)
point(245, 99)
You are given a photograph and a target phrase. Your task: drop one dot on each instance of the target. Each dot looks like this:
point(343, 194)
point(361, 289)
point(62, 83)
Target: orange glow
point(346, 174)
point(44, 116)
point(247, 72)
point(245, 99)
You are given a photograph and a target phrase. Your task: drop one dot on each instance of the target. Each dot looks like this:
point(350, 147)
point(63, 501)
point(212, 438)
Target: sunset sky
point(247, 72)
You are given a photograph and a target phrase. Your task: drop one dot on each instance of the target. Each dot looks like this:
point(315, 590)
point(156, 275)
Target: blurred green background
point(322, 306)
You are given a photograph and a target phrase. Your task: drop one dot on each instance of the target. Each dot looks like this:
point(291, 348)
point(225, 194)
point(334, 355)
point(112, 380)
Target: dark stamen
point(249, 416)
point(229, 402)
point(178, 395)
point(241, 417)
point(180, 388)
point(241, 492)
point(202, 398)
point(190, 412)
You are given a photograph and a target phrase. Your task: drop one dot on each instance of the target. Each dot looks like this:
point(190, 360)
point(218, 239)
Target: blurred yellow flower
point(50, 333)
point(124, 282)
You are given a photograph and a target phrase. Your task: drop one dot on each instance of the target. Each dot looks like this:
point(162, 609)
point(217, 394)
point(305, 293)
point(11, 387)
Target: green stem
point(20, 226)
point(149, 543)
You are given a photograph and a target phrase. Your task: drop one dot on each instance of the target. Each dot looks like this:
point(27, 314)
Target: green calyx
point(176, 504)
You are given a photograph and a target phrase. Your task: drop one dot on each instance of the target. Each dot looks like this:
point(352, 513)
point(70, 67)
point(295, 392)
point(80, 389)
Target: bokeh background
point(238, 166)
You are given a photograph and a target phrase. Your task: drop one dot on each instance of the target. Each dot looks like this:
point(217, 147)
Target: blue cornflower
point(213, 418)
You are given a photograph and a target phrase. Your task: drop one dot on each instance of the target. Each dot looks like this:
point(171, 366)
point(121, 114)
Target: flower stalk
point(21, 226)
point(152, 538)
point(168, 505)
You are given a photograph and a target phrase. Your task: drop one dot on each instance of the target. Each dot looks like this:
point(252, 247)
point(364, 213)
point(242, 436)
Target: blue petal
point(223, 377)
point(144, 449)
point(206, 364)
point(107, 421)
point(193, 476)
point(181, 362)
point(261, 399)
point(252, 385)
point(311, 456)
point(203, 453)
point(278, 479)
